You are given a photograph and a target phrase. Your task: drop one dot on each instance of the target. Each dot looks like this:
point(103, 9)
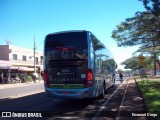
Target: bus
point(77, 65)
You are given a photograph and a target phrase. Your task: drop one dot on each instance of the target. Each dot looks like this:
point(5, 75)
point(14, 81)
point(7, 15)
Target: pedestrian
point(2, 78)
point(8, 78)
point(113, 77)
point(34, 77)
point(41, 73)
point(121, 76)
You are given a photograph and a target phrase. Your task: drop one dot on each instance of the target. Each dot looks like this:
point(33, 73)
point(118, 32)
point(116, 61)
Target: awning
point(5, 64)
point(4, 67)
point(26, 69)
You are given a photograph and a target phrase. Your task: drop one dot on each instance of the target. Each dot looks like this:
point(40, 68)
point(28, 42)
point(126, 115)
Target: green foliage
point(152, 5)
point(154, 52)
point(133, 62)
point(28, 78)
point(151, 94)
point(142, 29)
point(130, 63)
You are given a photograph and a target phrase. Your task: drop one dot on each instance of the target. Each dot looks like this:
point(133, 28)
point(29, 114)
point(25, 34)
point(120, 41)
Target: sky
point(20, 20)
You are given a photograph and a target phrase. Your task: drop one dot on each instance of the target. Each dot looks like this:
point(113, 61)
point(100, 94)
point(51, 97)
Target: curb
point(128, 102)
point(144, 104)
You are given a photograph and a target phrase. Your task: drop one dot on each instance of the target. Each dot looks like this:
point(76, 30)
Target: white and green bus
point(77, 65)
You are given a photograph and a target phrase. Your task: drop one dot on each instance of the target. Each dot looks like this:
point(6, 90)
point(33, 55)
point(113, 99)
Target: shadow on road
point(47, 106)
point(23, 103)
point(54, 107)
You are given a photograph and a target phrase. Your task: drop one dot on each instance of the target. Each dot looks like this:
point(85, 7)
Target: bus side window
point(92, 53)
point(94, 42)
point(97, 45)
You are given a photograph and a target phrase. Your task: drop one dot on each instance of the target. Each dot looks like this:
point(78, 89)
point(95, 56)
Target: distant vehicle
point(77, 65)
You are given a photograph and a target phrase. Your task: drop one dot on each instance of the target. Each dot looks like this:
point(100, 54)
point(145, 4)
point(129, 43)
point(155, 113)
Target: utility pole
point(34, 49)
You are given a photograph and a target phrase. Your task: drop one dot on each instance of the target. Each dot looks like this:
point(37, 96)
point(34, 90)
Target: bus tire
point(103, 92)
point(112, 86)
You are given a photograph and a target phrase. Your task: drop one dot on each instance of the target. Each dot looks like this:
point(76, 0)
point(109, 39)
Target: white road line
point(103, 106)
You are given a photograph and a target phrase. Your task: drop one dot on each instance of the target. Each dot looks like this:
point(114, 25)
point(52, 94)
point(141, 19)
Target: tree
point(152, 5)
point(134, 63)
point(143, 29)
point(154, 52)
point(130, 63)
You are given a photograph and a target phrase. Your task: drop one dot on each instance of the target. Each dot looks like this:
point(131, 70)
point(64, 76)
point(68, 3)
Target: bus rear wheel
point(103, 91)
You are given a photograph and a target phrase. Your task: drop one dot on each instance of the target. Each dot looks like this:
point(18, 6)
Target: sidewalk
point(132, 103)
point(6, 86)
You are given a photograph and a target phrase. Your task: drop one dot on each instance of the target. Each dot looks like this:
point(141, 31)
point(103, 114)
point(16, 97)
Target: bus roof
point(67, 32)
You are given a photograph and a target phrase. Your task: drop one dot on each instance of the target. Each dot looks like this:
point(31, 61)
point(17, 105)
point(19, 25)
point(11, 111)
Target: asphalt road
point(39, 102)
point(4, 93)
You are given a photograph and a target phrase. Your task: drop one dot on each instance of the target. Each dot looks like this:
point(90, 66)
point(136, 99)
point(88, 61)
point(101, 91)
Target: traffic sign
point(141, 58)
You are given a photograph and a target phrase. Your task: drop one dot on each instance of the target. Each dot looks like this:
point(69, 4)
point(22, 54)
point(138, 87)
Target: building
point(14, 57)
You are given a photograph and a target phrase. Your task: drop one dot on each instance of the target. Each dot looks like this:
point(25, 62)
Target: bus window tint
point(72, 39)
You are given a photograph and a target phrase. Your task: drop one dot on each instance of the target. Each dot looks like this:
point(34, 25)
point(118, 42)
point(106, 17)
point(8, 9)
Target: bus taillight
point(89, 74)
point(45, 79)
point(89, 81)
point(45, 76)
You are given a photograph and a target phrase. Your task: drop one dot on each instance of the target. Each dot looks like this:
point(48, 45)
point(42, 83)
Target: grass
point(151, 93)
point(28, 78)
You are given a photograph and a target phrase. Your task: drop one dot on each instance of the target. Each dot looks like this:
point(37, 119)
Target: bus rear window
point(71, 39)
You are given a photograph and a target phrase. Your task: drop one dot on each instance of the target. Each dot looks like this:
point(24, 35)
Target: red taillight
point(45, 79)
point(45, 76)
point(64, 49)
point(89, 74)
point(89, 80)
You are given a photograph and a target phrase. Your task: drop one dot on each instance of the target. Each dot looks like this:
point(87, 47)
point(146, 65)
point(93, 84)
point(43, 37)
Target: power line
point(39, 45)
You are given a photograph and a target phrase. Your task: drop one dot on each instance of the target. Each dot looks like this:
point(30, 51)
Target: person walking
point(9, 78)
point(121, 76)
point(2, 78)
point(34, 77)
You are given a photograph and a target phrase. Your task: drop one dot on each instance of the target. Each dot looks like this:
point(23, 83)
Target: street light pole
point(34, 49)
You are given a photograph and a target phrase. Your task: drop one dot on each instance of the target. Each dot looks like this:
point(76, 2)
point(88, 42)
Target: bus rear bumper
point(70, 93)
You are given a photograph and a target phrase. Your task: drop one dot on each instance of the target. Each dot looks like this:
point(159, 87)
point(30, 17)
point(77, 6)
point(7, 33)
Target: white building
point(20, 58)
